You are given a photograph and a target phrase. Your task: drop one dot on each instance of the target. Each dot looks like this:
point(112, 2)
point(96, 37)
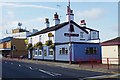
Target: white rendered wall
point(60, 38)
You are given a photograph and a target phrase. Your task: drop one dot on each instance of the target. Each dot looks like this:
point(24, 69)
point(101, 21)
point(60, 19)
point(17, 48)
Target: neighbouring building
point(13, 47)
point(53, 43)
point(15, 40)
point(111, 50)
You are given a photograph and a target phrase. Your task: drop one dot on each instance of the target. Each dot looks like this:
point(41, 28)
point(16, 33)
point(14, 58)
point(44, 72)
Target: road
point(15, 69)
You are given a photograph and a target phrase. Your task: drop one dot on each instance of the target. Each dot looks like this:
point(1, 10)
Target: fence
point(106, 63)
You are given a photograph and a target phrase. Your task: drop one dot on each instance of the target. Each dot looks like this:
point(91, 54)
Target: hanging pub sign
point(50, 35)
point(68, 34)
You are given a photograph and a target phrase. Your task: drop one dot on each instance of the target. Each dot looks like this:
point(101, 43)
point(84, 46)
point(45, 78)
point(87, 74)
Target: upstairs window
point(31, 40)
point(40, 38)
point(94, 35)
point(81, 35)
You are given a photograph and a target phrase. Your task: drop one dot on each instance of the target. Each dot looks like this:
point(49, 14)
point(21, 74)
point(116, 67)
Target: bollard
point(108, 63)
point(92, 63)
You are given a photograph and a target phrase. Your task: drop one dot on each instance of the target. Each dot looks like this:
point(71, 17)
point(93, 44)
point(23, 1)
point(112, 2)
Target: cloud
point(27, 21)
point(93, 13)
point(11, 14)
point(31, 6)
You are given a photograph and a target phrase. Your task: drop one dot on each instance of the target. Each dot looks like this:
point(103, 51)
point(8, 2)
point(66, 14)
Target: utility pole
point(70, 45)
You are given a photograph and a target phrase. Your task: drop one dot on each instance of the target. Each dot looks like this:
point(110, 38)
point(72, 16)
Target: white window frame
point(61, 51)
point(52, 51)
point(35, 52)
point(94, 35)
point(82, 36)
point(39, 53)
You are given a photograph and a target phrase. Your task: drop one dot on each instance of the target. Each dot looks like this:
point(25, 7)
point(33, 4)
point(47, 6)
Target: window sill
point(39, 55)
point(82, 38)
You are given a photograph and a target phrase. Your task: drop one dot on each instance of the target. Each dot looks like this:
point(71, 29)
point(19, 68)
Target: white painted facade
point(41, 38)
point(60, 38)
point(110, 52)
point(60, 33)
point(84, 35)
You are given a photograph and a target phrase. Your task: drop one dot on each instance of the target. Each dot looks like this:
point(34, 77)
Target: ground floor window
point(91, 50)
point(63, 51)
point(50, 51)
point(36, 52)
point(40, 53)
point(45, 53)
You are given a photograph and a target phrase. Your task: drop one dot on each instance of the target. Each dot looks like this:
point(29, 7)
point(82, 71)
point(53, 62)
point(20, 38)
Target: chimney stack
point(82, 23)
point(56, 19)
point(47, 23)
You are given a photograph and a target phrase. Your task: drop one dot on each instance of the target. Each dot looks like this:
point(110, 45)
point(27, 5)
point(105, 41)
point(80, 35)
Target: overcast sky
point(102, 16)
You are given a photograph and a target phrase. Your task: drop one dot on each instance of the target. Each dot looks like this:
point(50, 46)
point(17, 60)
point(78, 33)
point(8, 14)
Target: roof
point(115, 41)
point(90, 29)
point(6, 39)
point(58, 26)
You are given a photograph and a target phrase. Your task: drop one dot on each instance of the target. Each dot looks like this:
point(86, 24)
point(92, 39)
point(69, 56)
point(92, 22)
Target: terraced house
point(62, 42)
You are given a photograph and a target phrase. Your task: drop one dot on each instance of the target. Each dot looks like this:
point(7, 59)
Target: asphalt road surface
point(18, 70)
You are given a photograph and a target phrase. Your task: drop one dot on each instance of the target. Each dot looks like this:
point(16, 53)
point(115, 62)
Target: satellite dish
point(19, 24)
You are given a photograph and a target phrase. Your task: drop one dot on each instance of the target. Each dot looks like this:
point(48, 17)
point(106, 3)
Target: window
point(66, 51)
point(30, 40)
point(40, 38)
point(81, 34)
point(91, 50)
point(50, 51)
point(40, 52)
point(63, 51)
point(45, 53)
point(60, 51)
point(36, 52)
point(50, 38)
point(94, 35)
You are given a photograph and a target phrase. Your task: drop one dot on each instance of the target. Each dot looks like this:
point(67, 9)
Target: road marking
point(19, 65)
point(31, 68)
point(57, 74)
point(46, 72)
point(5, 62)
point(11, 63)
point(103, 76)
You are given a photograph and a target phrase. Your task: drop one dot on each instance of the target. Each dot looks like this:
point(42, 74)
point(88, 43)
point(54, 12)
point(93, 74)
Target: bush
point(52, 46)
point(38, 45)
point(29, 46)
point(48, 43)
